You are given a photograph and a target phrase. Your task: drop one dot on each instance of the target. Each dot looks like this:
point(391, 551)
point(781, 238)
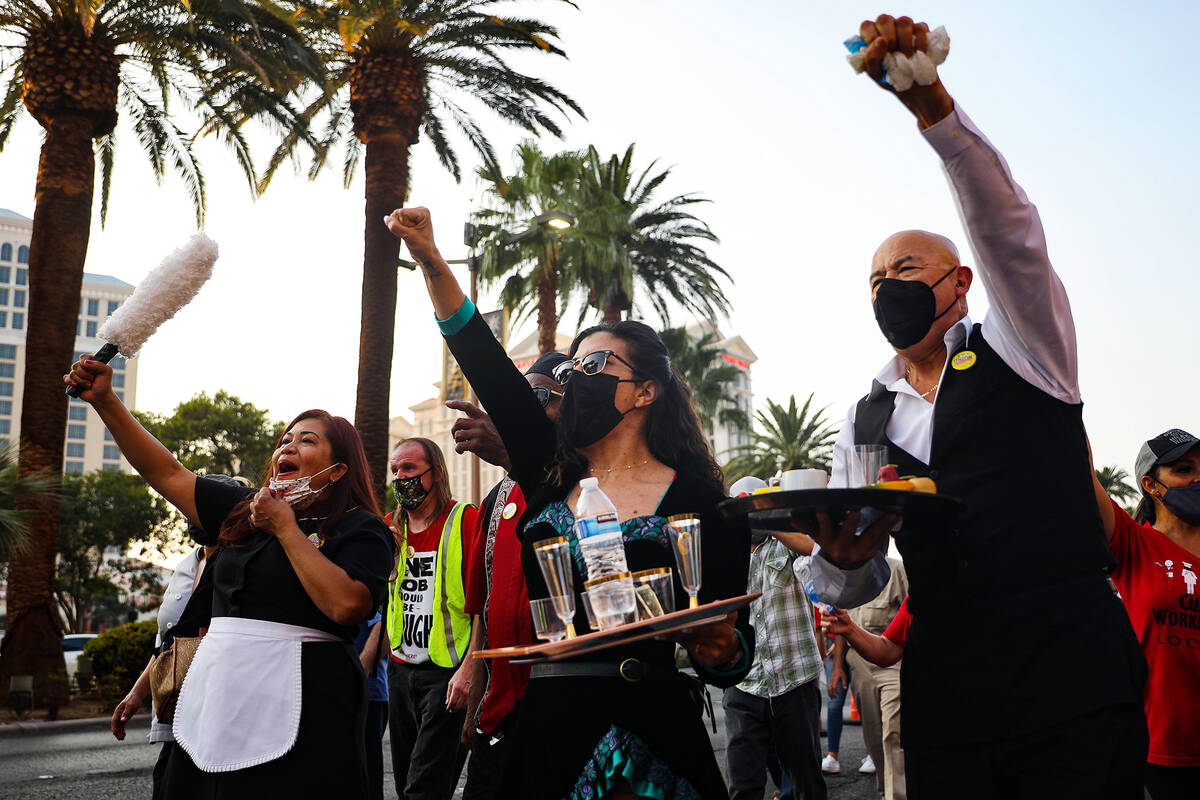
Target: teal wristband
point(458, 320)
point(743, 657)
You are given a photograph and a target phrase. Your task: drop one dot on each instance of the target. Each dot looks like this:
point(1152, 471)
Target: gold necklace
point(924, 395)
point(610, 470)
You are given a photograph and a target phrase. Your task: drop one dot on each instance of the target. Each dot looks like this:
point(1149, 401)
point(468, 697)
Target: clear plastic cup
point(612, 598)
point(546, 622)
point(864, 466)
point(587, 609)
point(655, 592)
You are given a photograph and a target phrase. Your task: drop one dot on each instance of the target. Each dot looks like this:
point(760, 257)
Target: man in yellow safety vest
point(428, 629)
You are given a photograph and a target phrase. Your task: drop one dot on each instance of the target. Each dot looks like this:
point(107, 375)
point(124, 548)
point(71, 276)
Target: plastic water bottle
point(599, 532)
point(610, 586)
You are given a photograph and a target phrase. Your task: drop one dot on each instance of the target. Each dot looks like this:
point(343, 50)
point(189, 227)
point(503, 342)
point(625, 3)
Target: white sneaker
point(830, 765)
point(867, 766)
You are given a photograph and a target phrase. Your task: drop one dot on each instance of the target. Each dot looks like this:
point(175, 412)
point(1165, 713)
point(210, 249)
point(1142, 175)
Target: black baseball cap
point(1165, 448)
point(546, 363)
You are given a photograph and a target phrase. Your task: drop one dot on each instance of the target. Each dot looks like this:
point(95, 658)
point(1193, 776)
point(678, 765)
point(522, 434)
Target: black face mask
point(906, 310)
point(588, 411)
point(1183, 501)
point(411, 491)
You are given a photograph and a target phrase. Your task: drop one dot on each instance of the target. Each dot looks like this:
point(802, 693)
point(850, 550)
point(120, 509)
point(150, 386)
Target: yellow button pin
point(964, 360)
point(509, 511)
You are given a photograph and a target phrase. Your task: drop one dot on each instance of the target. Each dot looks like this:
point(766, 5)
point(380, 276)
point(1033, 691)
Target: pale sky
point(808, 167)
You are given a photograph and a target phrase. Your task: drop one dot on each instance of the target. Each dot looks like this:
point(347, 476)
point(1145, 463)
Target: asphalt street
point(82, 761)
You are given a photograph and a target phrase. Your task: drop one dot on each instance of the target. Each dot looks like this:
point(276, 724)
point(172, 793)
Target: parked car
point(72, 645)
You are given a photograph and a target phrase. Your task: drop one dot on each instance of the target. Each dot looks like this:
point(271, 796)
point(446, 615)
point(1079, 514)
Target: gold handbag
point(167, 674)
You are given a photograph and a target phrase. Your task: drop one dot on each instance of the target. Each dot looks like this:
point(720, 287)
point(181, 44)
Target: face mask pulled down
point(906, 310)
point(410, 492)
point(294, 490)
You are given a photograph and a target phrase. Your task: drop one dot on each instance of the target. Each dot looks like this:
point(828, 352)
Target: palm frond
point(105, 150)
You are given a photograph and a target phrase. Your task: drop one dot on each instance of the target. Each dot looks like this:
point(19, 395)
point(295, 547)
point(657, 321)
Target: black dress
point(255, 580)
point(577, 735)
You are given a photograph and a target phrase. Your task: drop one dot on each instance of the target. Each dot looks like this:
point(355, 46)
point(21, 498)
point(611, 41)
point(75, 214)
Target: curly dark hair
point(673, 431)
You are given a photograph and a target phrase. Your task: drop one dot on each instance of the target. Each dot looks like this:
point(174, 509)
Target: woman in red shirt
point(1158, 562)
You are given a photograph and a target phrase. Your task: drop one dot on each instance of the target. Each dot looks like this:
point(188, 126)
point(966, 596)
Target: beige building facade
point(88, 445)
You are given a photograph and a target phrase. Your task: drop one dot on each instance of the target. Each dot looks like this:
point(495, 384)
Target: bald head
point(917, 247)
point(929, 258)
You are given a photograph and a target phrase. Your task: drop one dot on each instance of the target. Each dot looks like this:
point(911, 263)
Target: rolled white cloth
point(901, 71)
point(241, 698)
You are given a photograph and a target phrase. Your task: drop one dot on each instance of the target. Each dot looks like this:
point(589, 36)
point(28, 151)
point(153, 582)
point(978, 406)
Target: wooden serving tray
point(622, 634)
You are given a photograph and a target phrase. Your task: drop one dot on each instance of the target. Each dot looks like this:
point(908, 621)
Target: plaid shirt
point(785, 639)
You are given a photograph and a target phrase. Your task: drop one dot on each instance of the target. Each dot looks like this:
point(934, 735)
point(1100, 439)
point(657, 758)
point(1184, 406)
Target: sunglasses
point(544, 395)
point(591, 364)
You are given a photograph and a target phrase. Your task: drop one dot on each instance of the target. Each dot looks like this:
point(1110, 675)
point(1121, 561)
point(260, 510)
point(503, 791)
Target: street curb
point(61, 725)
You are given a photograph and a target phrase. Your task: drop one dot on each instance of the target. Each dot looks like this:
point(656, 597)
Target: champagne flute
point(685, 541)
point(554, 558)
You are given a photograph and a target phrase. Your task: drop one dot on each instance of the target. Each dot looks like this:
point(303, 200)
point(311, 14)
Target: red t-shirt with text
point(1158, 583)
point(420, 555)
point(897, 629)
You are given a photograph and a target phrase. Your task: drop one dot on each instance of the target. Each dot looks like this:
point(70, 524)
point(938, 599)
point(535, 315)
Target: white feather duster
point(160, 295)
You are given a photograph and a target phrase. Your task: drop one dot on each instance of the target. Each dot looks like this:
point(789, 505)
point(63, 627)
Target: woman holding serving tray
point(621, 722)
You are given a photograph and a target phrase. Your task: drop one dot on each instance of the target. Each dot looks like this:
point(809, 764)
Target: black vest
point(1015, 626)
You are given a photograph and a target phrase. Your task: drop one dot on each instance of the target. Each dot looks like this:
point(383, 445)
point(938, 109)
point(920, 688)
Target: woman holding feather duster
point(273, 702)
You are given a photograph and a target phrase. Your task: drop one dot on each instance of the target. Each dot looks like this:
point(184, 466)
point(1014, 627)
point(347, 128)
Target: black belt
point(631, 669)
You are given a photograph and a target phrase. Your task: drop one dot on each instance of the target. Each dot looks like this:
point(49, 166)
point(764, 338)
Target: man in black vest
point(1021, 676)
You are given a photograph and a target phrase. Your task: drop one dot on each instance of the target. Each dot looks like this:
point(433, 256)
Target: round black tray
point(781, 510)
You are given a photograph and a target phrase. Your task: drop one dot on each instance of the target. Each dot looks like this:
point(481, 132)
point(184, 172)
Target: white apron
point(240, 702)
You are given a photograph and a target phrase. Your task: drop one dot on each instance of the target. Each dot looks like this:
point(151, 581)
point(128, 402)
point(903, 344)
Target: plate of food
point(622, 634)
point(915, 498)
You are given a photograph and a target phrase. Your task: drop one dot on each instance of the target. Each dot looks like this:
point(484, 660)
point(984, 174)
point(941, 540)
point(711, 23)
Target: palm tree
point(80, 63)
point(1115, 481)
point(699, 365)
point(789, 438)
point(513, 245)
point(396, 69)
point(637, 247)
point(38, 489)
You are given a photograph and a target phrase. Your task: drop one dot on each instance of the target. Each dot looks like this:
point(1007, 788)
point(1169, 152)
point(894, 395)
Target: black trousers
point(1172, 783)
point(792, 722)
point(427, 756)
point(376, 724)
point(160, 770)
point(1099, 756)
point(489, 757)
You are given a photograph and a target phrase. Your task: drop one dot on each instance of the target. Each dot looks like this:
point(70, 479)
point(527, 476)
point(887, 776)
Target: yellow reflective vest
point(451, 624)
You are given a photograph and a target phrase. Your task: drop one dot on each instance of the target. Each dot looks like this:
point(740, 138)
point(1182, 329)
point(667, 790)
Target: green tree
point(529, 257)
point(219, 434)
point(787, 438)
point(699, 364)
point(395, 69)
point(103, 512)
point(77, 64)
point(1116, 482)
point(634, 247)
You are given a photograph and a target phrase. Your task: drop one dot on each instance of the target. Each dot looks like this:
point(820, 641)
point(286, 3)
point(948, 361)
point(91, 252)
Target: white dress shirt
point(175, 598)
point(1029, 324)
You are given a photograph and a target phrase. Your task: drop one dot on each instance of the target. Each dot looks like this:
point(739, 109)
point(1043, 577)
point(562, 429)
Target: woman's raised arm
point(144, 453)
point(415, 227)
